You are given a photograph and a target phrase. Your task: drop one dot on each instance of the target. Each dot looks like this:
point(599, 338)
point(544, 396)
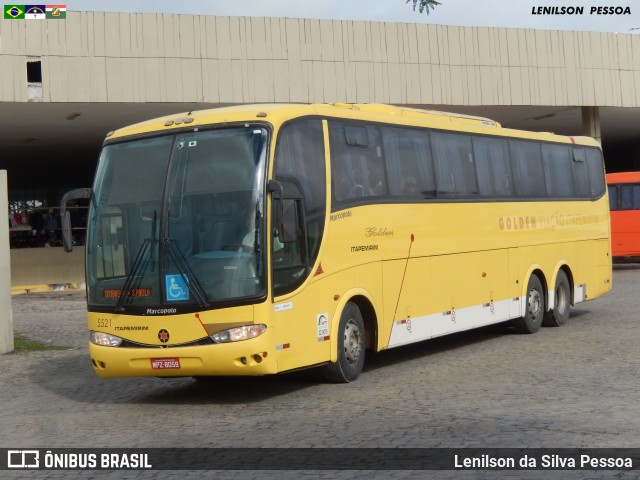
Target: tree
point(424, 5)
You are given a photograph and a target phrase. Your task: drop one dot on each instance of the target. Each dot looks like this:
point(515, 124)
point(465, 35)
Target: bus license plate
point(164, 363)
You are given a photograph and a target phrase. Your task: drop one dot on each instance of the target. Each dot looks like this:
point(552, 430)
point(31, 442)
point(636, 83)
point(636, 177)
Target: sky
point(497, 13)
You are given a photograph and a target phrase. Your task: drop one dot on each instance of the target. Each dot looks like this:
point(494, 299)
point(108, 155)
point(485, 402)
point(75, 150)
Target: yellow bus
point(259, 239)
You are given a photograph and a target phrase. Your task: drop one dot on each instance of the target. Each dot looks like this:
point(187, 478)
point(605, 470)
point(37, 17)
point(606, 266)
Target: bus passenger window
point(613, 197)
point(344, 186)
point(376, 180)
point(408, 160)
point(626, 197)
point(410, 186)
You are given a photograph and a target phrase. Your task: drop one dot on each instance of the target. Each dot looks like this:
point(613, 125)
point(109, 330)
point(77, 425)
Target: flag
point(56, 12)
point(34, 12)
point(14, 12)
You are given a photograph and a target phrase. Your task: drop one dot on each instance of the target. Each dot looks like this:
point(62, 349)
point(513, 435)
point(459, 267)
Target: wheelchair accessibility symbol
point(176, 288)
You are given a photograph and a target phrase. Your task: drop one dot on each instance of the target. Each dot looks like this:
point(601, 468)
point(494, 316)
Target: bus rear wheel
point(351, 350)
point(560, 313)
point(534, 313)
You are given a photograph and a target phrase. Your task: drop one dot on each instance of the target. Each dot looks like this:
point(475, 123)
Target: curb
point(54, 287)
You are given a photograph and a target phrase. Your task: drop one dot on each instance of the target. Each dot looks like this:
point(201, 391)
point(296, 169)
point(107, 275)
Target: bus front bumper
point(249, 357)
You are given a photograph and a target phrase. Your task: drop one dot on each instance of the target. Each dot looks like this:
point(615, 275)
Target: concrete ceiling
point(617, 124)
point(45, 144)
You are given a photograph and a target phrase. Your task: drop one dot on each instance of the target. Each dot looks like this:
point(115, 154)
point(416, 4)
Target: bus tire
point(351, 350)
point(534, 314)
point(560, 313)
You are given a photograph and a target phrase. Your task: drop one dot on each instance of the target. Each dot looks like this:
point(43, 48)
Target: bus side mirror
point(65, 216)
point(67, 241)
point(288, 225)
point(275, 189)
point(285, 211)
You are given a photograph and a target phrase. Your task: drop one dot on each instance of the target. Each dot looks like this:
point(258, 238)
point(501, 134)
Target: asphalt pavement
point(575, 386)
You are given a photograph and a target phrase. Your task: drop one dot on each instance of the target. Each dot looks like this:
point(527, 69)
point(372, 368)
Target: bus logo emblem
point(163, 336)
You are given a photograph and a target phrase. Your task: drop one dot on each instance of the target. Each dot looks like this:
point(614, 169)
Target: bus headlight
point(104, 339)
point(238, 334)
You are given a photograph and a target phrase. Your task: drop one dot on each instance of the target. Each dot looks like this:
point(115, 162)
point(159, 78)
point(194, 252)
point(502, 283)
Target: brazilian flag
point(14, 12)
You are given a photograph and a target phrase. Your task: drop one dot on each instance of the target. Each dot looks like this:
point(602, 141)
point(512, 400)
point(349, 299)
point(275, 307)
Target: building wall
point(122, 57)
point(46, 266)
point(6, 314)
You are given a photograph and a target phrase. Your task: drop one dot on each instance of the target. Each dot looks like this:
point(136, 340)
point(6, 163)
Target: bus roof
point(278, 113)
point(623, 177)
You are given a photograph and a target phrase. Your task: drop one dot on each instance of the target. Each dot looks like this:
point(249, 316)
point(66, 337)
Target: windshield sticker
point(176, 288)
point(322, 322)
point(280, 307)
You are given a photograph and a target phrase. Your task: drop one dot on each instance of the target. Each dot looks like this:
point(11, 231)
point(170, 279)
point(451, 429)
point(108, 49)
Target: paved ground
point(575, 386)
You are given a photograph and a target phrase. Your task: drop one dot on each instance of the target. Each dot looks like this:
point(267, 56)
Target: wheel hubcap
point(352, 342)
point(534, 303)
point(562, 298)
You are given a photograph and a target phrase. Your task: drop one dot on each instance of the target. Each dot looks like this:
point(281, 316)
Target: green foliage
point(22, 344)
point(424, 5)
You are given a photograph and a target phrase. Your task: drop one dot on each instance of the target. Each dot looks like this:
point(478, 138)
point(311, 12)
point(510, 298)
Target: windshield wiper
point(193, 284)
point(126, 288)
point(154, 223)
point(257, 246)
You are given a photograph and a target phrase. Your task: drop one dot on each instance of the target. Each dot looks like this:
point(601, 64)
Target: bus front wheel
point(351, 336)
point(534, 313)
point(560, 313)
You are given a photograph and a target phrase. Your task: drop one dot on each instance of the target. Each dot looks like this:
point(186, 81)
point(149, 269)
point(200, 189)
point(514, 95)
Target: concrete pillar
point(591, 123)
point(6, 314)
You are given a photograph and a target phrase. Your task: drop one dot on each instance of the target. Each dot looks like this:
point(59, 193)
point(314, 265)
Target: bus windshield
point(177, 221)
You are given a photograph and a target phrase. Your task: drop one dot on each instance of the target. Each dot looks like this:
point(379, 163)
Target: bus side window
point(613, 197)
point(300, 167)
point(595, 165)
point(493, 166)
point(528, 174)
point(454, 164)
point(357, 167)
point(408, 159)
point(344, 186)
point(557, 163)
point(626, 197)
point(580, 173)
